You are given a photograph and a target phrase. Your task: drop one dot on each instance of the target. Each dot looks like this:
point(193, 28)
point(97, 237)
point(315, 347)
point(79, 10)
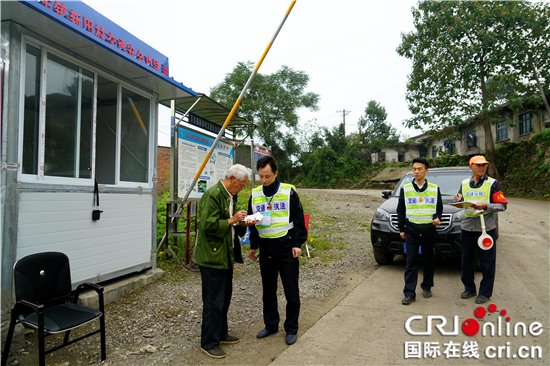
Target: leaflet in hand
point(465, 204)
point(257, 216)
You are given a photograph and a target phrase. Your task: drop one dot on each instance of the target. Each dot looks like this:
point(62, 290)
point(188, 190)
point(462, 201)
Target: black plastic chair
point(43, 294)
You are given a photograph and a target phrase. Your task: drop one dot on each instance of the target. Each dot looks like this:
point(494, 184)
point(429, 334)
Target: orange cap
point(478, 159)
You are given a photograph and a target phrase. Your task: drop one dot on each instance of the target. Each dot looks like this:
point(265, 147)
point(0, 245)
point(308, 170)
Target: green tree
point(462, 54)
point(324, 169)
point(329, 168)
point(311, 139)
point(336, 138)
point(527, 50)
point(271, 102)
point(374, 132)
point(311, 136)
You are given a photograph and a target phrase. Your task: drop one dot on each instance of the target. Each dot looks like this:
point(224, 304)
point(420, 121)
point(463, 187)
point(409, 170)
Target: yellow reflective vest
point(421, 206)
point(280, 211)
point(481, 194)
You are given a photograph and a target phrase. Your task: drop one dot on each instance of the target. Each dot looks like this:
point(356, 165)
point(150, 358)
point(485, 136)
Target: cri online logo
point(471, 327)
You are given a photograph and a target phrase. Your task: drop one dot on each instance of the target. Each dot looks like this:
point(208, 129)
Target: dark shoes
point(229, 340)
point(218, 352)
point(482, 299)
point(265, 333)
point(467, 295)
point(427, 293)
point(479, 300)
point(290, 338)
point(407, 300)
point(214, 352)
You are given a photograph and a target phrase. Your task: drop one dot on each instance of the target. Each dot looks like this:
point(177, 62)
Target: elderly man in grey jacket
point(487, 195)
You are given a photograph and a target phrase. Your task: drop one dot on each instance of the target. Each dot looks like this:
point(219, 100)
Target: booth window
point(31, 110)
point(134, 140)
point(106, 127)
point(69, 105)
point(122, 138)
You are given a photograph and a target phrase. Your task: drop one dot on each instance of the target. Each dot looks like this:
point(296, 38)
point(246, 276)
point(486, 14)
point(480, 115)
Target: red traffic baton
point(484, 241)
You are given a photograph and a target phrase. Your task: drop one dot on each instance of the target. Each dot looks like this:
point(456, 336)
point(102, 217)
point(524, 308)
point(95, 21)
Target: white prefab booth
point(80, 99)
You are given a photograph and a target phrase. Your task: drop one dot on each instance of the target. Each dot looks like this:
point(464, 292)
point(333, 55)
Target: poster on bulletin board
point(193, 147)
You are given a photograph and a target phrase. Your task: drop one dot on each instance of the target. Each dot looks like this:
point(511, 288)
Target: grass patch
point(322, 248)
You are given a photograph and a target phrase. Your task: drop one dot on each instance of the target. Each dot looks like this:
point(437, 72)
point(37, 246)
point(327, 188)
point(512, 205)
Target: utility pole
point(344, 114)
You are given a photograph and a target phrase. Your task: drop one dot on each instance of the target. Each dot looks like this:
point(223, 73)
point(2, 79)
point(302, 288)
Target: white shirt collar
point(420, 187)
point(230, 195)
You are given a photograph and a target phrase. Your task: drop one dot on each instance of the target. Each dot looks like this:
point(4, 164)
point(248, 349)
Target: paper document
point(466, 204)
point(257, 216)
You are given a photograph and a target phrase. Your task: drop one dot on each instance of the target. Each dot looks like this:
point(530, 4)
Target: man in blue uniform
point(418, 213)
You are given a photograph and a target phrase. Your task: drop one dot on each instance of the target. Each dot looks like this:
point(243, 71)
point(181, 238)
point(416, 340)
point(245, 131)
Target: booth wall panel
point(62, 221)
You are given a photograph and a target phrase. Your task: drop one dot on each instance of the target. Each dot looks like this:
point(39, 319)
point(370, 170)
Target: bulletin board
point(193, 147)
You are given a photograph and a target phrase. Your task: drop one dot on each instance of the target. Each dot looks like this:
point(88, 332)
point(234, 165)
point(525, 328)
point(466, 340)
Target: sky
point(346, 47)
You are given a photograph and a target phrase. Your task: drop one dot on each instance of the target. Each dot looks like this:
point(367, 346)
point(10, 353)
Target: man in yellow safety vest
point(279, 236)
point(418, 213)
point(487, 195)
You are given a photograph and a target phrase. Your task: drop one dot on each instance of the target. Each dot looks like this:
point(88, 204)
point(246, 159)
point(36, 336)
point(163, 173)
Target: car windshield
point(448, 182)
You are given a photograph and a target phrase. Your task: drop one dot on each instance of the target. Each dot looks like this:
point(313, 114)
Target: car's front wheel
point(382, 257)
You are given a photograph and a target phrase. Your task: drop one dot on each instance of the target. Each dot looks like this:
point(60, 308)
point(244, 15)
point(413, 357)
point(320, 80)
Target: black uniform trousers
point(487, 259)
point(411, 269)
point(217, 287)
point(288, 268)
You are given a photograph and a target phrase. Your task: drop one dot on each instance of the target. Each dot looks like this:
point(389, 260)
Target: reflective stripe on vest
point(280, 214)
point(264, 232)
point(421, 206)
point(481, 194)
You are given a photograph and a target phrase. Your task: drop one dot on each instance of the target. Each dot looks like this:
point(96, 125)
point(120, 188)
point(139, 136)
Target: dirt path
point(373, 320)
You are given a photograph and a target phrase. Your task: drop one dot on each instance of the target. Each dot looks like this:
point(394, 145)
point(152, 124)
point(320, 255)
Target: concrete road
point(368, 326)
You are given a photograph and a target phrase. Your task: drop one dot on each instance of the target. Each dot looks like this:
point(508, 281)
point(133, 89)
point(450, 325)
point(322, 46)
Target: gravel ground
point(160, 324)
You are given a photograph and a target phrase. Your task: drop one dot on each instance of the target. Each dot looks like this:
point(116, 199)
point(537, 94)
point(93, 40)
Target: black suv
point(384, 234)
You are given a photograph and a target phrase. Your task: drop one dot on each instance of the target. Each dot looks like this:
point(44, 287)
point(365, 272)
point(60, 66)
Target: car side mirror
point(386, 194)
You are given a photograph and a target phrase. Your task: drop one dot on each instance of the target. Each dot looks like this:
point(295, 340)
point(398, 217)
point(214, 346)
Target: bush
point(524, 167)
point(330, 170)
point(449, 160)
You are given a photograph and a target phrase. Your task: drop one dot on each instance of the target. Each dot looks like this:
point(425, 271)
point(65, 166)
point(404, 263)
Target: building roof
point(208, 109)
